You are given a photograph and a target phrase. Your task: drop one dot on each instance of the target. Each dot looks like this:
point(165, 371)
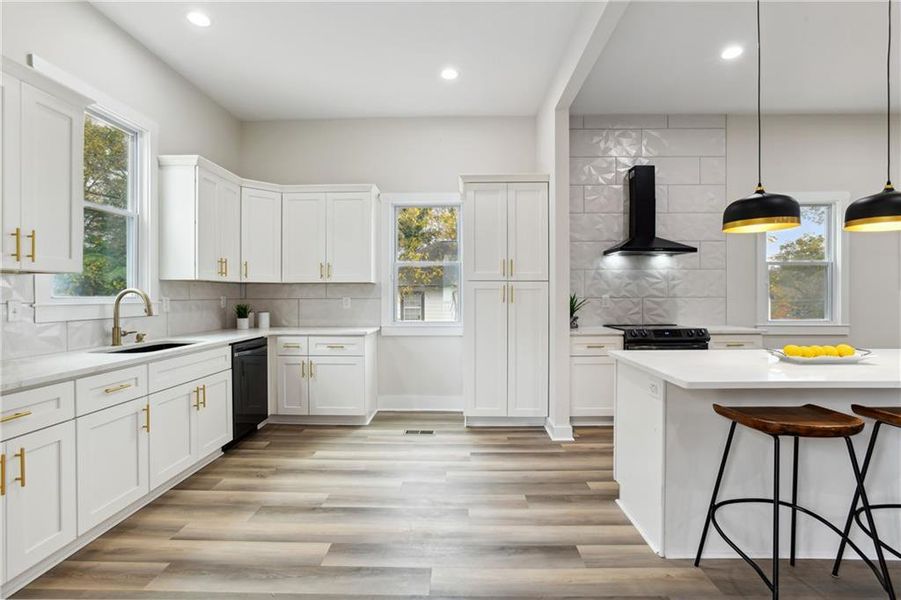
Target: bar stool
point(883, 415)
point(808, 421)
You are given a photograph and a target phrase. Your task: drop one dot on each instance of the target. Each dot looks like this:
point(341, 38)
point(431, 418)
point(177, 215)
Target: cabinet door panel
point(40, 517)
point(112, 461)
point(485, 366)
point(485, 231)
point(52, 187)
point(214, 419)
point(349, 238)
point(336, 385)
point(303, 237)
point(293, 390)
point(228, 207)
point(208, 256)
point(592, 381)
point(173, 447)
point(527, 359)
point(527, 231)
point(261, 235)
point(10, 110)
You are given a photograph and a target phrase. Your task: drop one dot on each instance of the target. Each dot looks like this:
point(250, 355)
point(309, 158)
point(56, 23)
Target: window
point(802, 267)
point(424, 265)
point(110, 212)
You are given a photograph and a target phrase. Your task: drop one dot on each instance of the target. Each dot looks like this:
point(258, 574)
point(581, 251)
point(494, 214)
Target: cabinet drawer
point(108, 389)
point(336, 346)
point(291, 346)
point(167, 373)
point(589, 345)
point(735, 342)
point(35, 409)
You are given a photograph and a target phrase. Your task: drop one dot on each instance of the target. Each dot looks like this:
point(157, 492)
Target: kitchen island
point(668, 443)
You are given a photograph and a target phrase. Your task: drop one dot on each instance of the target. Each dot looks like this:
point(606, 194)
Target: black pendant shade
point(761, 211)
point(879, 212)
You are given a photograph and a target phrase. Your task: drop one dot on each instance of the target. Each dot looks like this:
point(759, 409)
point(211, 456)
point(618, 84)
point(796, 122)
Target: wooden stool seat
point(890, 415)
point(809, 420)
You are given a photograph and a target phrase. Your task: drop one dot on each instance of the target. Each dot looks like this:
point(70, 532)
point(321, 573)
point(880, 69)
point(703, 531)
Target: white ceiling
point(818, 57)
point(287, 60)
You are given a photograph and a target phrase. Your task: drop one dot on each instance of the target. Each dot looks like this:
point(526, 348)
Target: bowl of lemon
point(821, 355)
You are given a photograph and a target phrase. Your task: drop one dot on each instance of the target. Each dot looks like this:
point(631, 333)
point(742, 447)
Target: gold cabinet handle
point(2, 474)
point(328, 270)
point(146, 426)
point(196, 405)
point(595, 345)
point(33, 236)
point(219, 267)
point(21, 456)
point(203, 389)
point(511, 289)
point(290, 345)
point(225, 262)
point(511, 267)
point(735, 344)
point(335, 346)
point(321, 270)
point(18, 236)
point(303, 369)
point(312, 372)
point(116, 388)
point(503, 267)
point(14, 416)
point(503, 294)
point(245, 269)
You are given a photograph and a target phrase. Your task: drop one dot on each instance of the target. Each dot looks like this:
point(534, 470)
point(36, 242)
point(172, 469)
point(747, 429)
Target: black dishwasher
point(250, 389)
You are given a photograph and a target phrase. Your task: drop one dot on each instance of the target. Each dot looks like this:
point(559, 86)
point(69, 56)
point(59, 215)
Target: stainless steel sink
point(144, 348)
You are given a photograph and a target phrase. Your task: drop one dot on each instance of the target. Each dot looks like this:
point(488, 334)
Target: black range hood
point(640, 212)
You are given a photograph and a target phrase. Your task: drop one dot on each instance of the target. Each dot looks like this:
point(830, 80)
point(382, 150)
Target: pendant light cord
point(759, 136)
point(888, 103)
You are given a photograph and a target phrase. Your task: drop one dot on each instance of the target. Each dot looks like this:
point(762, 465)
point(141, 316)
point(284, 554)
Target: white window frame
point(837, 301)
point(49, 309)
point(390, 203)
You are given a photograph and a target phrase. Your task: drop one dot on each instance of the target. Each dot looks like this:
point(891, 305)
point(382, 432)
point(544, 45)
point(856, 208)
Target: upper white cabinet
point(200, 220)
point(217, 227)
point(505, 231)
point(43, 148)
point(329, 236)
point(261, 235)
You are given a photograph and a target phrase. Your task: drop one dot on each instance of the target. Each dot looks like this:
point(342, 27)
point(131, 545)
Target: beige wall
point(819, 153)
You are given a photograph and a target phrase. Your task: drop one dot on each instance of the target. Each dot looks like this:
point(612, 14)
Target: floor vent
point(419, 432)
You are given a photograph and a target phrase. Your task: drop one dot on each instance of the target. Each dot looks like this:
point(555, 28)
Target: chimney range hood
point(640, 213)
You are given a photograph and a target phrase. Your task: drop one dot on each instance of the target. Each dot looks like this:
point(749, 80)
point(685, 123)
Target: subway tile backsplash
point(689, 153)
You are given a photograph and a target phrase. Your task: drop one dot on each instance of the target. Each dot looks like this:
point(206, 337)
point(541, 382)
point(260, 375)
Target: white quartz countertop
point(758, 369)
point(49, 368)
point(713, 329)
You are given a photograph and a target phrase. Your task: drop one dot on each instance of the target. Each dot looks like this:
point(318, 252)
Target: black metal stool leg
point(716, 489)
point(794, 500)
point(775, 517)
point(886, 579)
point(863, 475)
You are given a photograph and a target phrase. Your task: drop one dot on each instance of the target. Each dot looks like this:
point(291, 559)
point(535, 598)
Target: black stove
point(662, 336)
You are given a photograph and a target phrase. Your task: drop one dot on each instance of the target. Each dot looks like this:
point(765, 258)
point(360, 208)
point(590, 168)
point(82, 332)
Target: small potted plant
point(242, 312)
point(575, 305)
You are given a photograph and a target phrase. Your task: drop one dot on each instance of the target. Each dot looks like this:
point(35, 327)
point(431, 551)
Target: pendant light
point(761, 211)
point(881, 211)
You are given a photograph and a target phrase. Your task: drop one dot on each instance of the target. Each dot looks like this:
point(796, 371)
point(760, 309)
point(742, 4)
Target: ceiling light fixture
point(731, 52)
point(881, 211)
point(761, 211)
point(449, 73)
point(195, 17)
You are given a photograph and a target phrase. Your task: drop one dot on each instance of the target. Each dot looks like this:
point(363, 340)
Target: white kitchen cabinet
point(527, 231)
point(40, 509)
point(485, 336)
point(336, 385)
point(527, 349)
point(200, 220)
point(732, 341)
point(592, 373)
point(304, 216)
point(261, 235)
point(173, 440)
point(350, 256)
point(43, 166)
point(292, 389)
point(113, 466)
point(214, 419)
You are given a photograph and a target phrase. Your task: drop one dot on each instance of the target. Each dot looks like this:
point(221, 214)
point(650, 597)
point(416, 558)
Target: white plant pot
point(244, 323)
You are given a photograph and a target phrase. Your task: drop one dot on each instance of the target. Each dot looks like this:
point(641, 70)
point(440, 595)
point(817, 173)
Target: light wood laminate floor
point(356, 512)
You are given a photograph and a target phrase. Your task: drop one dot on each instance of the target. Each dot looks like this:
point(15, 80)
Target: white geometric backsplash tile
point(592, 171)
point(576, 198)
point(713, 170)
point(623, 121)
point(595, 227)
point(605, 142)
point(632, 283)
point(668, 169)
point(696, 198)
point(697, 283)
point(683, 142)
point(696, 121)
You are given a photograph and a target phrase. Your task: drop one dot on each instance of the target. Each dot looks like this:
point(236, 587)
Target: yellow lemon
point(806, 352)
point(816, 351)
point(791, 350)
point(845, 350)
point(830, 351)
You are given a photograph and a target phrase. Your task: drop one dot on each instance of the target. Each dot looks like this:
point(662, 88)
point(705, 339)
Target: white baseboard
point(558, 433)
point(320, 419)
point(419, 403)
point(504, 421)
point(592, 421)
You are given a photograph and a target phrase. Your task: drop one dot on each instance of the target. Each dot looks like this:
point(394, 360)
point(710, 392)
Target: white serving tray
point(858, 356)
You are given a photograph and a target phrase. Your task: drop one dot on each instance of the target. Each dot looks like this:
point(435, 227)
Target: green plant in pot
point(242, 312)
point(575, 305)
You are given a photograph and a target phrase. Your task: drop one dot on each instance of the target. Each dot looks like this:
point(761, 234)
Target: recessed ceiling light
point(449, 73)
point(731, 52)
point(195, 17)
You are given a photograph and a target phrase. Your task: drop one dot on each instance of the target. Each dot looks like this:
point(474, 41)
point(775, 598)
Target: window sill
point(422, 330)
point(57, 312)
point(805, 329)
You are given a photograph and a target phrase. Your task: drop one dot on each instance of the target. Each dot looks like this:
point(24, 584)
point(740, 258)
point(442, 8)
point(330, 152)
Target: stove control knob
point(690, 333)
point(632, 333)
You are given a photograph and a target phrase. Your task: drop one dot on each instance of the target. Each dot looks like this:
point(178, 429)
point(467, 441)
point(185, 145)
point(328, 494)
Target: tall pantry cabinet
point(505, 309)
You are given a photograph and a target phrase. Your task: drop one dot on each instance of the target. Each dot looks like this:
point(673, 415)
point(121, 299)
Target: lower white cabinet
point(39, 495)
point(741, 341)
point(293, 391)
point(592, 374)
point(214, 419)
point(113, 467)
point(336, 385)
